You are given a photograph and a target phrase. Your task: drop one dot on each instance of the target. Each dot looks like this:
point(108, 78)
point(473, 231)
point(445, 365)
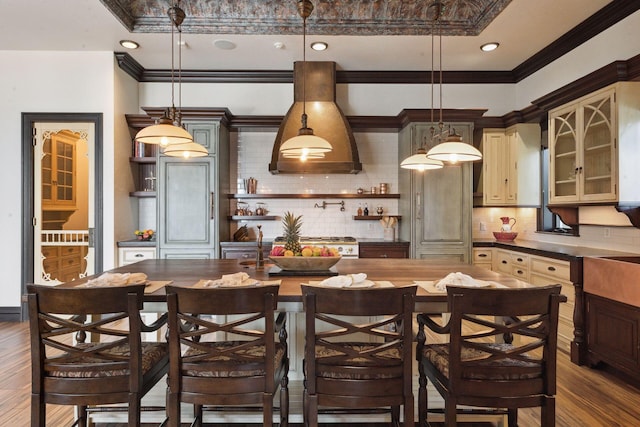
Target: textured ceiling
point(330, 17)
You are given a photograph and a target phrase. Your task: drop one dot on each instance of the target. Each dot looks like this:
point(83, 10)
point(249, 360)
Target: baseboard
point(10, 314)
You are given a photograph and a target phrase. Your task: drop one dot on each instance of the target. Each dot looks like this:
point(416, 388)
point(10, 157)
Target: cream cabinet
point(547, 271)
point(593, 147)
point(511, 166)
point(513, 263)
point(482, 257)
point(129, 255)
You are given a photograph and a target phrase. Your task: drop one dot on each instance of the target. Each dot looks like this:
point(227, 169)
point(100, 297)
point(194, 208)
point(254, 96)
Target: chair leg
point(512, 414)
point(267, 409)
point(284, 402)
point(548, 412)
point(409, 415)
point(134, 409)
point(422, 401)
point(312, 411)
point(173, 409)
point(395, 416)
point(450, 413)
point(83, 418)
point(38, 414)
point(197, 413)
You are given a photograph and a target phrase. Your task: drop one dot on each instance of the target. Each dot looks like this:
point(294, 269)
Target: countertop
point(135, 243)
point(551, 250)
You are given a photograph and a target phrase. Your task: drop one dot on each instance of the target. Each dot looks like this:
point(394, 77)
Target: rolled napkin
point(117, 279)
point(344, 281)
point(230, 280)
point(458, 279)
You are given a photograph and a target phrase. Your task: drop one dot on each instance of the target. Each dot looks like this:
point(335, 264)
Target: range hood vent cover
point(325, 118)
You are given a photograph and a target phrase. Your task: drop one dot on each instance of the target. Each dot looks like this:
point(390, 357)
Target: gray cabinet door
point(185, 208)
point(438, 202)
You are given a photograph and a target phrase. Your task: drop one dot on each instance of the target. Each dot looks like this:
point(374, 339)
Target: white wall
point(69, 82)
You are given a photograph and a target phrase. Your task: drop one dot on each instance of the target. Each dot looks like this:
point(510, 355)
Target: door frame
point(28, 190)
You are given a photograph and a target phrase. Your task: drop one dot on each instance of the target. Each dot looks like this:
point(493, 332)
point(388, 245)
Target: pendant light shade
point(164, 133)
point(305, 145)
point(454, 150)
point(187, 150)
point(421, 162)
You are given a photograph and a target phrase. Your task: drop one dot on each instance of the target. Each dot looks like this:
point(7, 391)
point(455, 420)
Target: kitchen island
point(400, 272)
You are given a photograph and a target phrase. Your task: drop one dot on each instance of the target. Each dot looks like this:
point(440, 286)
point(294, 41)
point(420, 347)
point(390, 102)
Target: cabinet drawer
point(502, 262)
point(481, 256)
point(382, 252)
point(519, 259)
point(544, 280)
point(551, 267)
point(240, 254)
point(129, 256)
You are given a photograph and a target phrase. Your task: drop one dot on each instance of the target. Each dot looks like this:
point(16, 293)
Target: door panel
point(63, 176)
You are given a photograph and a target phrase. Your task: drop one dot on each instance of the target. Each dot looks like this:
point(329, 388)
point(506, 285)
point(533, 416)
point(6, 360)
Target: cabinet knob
point(551, 268)
point(482, 255)
point(138, 255)
point(520, 272)
point(504, 261)
point(520, 260)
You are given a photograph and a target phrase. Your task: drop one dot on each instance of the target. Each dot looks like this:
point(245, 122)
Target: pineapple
point(292, 226)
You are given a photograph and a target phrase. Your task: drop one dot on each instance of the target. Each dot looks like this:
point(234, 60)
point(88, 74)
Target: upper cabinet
point(59, 172)
point(511, 166)
point(593, 145)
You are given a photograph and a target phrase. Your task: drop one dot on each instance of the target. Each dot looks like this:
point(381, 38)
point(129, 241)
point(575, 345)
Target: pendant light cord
point(304, 72)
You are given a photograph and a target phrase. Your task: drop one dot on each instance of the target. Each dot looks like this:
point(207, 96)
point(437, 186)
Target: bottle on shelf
point(366, 210)
point(359, 209)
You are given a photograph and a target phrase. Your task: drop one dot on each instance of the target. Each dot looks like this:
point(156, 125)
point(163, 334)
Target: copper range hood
point(325, 118)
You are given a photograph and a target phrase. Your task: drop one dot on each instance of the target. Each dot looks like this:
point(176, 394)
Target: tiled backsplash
point(379, 158)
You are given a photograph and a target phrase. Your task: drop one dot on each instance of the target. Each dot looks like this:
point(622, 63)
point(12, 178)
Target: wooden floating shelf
point(314, 196)
point(253, 217)
point(373, 217)
point(142, 159)
point(142, 194)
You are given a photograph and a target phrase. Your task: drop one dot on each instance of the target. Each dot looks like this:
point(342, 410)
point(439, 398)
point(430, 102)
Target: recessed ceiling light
point(488, 47)
point(319, 46)
point(224, 44)
point(129, 44)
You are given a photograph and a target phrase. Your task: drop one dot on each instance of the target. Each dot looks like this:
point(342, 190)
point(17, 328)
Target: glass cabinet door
point(563, 149)
point(597, 168)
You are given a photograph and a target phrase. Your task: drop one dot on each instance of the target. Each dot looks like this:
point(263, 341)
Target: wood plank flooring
point(586, 397)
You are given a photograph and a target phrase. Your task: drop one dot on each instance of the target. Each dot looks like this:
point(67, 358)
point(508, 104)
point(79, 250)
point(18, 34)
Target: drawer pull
point(138, 255)
point(503, 261)
point(551, 268)
point(384, 256)
point(520, 272)
point(520, 259)
point(482, 255)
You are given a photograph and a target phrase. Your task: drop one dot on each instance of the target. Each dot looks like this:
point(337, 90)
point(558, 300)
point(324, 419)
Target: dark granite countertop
point(551, 250)
point(135, 243)
point(379, 241)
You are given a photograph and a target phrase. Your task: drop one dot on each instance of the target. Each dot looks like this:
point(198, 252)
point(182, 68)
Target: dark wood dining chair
point(112, 367)
point(358, 352)
point(500, 355)
point(228, 351)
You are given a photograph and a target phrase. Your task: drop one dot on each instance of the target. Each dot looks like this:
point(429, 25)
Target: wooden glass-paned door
point(564, 177)
point(597, 172)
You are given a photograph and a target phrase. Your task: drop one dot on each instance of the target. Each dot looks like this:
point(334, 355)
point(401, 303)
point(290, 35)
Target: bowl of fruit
point(291, 256)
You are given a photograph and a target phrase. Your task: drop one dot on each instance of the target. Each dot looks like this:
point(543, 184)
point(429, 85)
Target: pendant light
point(420, 161)
point(305, 145)
point(453, 150)
point(191, 148)
point(168, 130)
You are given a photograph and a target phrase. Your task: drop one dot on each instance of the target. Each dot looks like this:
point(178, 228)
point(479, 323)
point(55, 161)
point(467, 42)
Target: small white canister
point(389, 233)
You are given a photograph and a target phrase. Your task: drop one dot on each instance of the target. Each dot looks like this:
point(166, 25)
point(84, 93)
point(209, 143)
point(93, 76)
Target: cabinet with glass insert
point(590, 143)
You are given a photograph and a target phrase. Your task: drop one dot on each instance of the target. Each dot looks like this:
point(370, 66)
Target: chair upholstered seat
point(80, 366)
point(227, 365)
point(438, 355)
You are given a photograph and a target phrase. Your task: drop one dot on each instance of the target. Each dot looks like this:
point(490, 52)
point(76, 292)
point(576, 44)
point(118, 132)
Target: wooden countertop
point(400, 272)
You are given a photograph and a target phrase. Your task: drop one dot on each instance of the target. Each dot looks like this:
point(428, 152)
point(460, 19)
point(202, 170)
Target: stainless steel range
point(346, 246)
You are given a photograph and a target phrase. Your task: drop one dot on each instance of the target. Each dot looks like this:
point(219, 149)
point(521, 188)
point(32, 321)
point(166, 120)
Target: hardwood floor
point(586, 397)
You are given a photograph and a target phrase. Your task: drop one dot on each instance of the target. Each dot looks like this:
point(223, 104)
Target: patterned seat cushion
point(438, 355)
point(329, 361)
point(72, 367)
point(228, 364)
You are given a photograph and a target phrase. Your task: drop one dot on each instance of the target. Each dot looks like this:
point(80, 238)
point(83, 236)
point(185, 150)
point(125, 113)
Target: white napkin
point(117, 279)
point(344, 281)
point(458, 279)
point(230, 280)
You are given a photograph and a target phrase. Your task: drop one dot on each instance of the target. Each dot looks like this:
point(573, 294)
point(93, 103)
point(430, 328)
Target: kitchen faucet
point(324, 205)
